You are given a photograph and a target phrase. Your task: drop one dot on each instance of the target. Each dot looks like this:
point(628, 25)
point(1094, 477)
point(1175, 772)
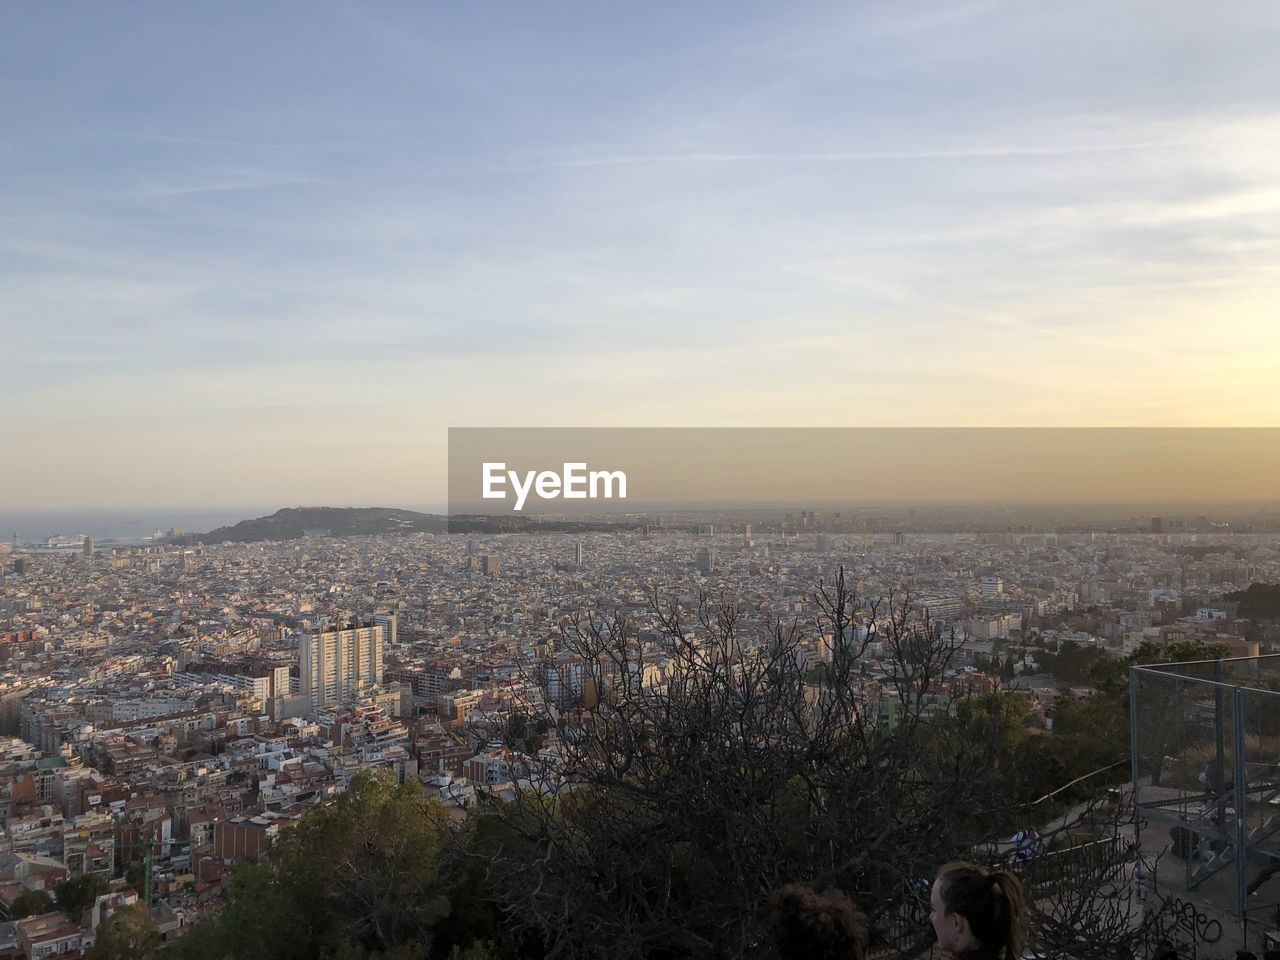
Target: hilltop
point(293, 523)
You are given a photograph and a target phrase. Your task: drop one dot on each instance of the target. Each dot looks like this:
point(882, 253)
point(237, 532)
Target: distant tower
point(1157, 525)
point(578, 555)
point(88, 548)
point(705, 560)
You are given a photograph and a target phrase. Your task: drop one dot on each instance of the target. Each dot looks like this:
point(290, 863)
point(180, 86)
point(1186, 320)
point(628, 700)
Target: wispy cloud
point(228, 186)
point(841, 156)
point(906, 21)
point(336, 146)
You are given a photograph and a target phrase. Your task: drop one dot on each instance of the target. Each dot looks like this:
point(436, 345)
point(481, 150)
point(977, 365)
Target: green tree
point(128, 934)
point(368, 865)
point(76, 896)
point(349, 951)
point(999, 720)
point(31, 903)
point(360, 877)
point(517, 724)
point(1070, 662)
point(1260, 600)
point(260, 921)
point(1111, 674)
point(525, 733)
point(136, 877)
point(1009, 670)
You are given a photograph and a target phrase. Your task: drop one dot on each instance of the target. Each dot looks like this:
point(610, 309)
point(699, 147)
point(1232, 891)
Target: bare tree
point(702, 771)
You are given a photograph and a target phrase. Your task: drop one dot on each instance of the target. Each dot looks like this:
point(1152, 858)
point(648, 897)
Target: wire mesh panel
point(1206, 740)
point(1192, 670)
point(1260, 672)
point(1176, 726)
point(1260, 806)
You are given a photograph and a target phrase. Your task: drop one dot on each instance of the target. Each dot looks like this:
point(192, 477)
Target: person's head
point(972, 910)
point(816, 926)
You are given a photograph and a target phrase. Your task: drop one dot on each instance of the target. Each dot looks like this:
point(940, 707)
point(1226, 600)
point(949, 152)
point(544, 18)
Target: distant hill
point(293, 523)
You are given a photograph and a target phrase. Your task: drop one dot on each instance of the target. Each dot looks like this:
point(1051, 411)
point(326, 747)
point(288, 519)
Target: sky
point(270, 253)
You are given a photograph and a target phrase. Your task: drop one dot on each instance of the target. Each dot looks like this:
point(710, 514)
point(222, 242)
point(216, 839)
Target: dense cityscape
point(171, 707)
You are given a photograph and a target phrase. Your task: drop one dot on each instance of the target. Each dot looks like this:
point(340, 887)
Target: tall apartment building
point(332, 664)
point(485, 563)
point(387, 621)
point(705, 560)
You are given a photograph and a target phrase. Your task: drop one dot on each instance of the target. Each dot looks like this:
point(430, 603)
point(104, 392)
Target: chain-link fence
point(1206, 764)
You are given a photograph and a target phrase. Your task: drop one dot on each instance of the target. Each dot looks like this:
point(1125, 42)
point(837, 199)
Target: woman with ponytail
point(978, 915)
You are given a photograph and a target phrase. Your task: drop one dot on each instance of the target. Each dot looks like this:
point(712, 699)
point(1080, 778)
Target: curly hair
point(808, 925)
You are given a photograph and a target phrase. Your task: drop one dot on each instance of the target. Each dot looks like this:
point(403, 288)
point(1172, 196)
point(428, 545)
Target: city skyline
point(246, 256)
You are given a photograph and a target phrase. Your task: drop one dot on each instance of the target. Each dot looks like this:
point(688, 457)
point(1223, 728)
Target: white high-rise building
point(334, 664)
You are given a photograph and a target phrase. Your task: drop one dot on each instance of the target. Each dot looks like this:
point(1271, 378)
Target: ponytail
point(993, 903)
point(1009, 905)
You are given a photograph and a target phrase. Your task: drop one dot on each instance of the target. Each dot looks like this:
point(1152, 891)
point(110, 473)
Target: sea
point(124, 525)
point(133, 525)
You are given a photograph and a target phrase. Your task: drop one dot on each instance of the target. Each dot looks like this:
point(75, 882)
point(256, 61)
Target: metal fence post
point(1133, 753)
point(1219, 778)
point(1241, 799)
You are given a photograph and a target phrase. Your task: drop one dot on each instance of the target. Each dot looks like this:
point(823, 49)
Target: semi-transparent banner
point(602, 471)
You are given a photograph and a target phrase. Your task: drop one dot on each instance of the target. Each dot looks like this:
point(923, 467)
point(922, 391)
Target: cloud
point(895, 212)
point(994, 152)
point(905, 21)
point(228, 186)
point(337, 146)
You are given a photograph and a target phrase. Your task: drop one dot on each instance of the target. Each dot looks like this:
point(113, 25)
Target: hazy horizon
point(137, 524)
point(250, 512)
